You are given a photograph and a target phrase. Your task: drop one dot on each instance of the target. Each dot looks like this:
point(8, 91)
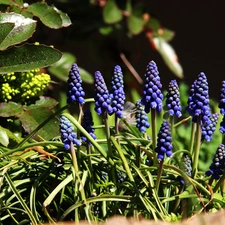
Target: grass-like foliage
point(149, 158)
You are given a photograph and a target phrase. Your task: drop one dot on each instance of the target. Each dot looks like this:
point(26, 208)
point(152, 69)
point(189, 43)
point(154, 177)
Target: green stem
point(197, 146)
point(107, 130)
point(193, 128)
point(78, 131)
point(154, 134)
point(159, 175)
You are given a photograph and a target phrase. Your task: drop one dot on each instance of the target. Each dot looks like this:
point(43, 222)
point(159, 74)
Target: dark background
point(199, 42)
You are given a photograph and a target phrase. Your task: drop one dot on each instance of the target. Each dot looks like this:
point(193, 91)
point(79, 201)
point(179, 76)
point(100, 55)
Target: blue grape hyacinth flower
point(102, 97)
point(117, 93)
point(141, 117)
point(164, 141)
point(186, 166)
point(209, 128)
point(173, 99)
point(75, 91)
point(222, 99)
point(222, 125)
point(68, 135)
point(152, 95)
point(198, 101)
point(87, 123)
point(218, 164)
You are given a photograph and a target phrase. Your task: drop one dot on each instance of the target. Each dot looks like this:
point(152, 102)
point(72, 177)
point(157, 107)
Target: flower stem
point(107, 130)
point(159, 175)
point(193, 128)
point(197, 147)
point(154, 134)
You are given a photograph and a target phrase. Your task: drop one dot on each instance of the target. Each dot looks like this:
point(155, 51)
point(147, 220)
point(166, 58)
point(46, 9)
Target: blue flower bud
point(68, 135)
point(75, 91)
point(152, 95)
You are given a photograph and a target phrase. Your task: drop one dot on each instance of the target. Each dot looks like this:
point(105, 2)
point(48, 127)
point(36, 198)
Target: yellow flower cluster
point(20, 86)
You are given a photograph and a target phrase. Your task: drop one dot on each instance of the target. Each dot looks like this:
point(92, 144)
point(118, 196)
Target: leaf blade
point(27, 57)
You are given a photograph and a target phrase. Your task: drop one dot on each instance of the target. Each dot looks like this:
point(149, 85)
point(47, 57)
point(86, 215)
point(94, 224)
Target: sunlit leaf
point(22, 29)
point(135, 24)
point(169, 56)
point(11, 2)
point(33, 115)
point(4, 139)
point(111, 12)
point(49, 15)
point(105, 30)
point(86, 76)
point(27, 57)
point(165, 34)
point(61, 68)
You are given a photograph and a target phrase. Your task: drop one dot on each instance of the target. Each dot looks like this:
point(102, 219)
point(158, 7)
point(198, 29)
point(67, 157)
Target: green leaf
point(49, 15)
point(61, 68)
point(11, 2)
point(4, 139)
point(135, 24)
point(22, 29)
point(135, 21)
point(111, 12)
point(86, 76)
point(153, 24)
point(105, 30)
point(5, 29)
point(33, 115)
point(169, 56)
point(27, 57)
point(165, 34)
point(10, 109)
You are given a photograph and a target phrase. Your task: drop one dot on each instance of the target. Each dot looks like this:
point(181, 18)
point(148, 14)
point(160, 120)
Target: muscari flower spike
point(198, 101)
point(102, 97)
point(141, 118)
point(186, 166)
point(222, 99)
point(153, 96)
point(218, 164)
point(173, 99)
point(68, 135)
point(75, 91)
point(222, 125)
point(117, 92)
point(87, 124)
point(209, 128)
point(164, 141)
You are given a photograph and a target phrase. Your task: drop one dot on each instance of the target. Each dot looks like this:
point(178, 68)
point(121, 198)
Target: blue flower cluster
point(152, 95)
point(117, 92)
point(164, 141)
point(222, 107)
point(102, 97)
point(218, 164)
point(68, 135)
point(87, 123)
point(198, 101)
point(173, 99)
point(141, 117)
point(186, 166)
point(75, 91)
point(209, 128)
point(222, 99)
